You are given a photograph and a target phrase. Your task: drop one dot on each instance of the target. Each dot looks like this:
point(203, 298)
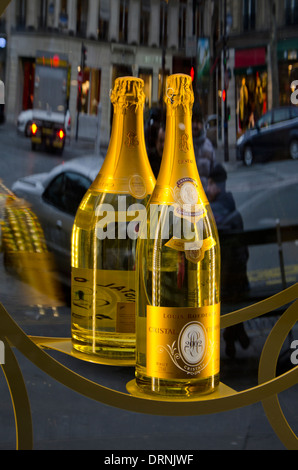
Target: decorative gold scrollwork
point(267, 368)
point(224, 399)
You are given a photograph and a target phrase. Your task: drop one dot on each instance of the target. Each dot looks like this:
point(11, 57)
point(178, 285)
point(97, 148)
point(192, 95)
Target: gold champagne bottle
point(105, 233)
point(178, 268)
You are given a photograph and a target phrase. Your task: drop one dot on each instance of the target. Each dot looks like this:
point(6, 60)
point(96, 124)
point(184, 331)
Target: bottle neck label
point(178, 181)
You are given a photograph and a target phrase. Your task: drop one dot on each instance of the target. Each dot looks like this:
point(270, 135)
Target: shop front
point(251, 78)
point(287, 51)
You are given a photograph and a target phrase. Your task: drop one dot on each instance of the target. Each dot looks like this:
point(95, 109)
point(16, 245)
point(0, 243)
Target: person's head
point(160, 140)
point(216, 182)
point(197, 121)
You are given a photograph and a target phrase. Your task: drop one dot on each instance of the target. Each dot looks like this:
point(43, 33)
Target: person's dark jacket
point(234, 255)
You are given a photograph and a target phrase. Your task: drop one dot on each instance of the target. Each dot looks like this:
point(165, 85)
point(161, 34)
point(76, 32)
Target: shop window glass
point(63, 17)
point(251, 99)
point(90, 91)
point(182, 23)
point(82, 12)
point(249, 15)
point(291, 12)
point(20, 14)
point(144, 21)
point(104, 20)
point(163, 28)
point(94, 91)
point(103, 29)
point(43, 14)
point(123, 21)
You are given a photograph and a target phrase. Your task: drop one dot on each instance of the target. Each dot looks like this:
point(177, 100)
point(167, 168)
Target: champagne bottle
point(178, 268)
point(105, 233)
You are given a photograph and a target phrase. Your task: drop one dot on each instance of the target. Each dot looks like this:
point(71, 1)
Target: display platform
point(224, 399)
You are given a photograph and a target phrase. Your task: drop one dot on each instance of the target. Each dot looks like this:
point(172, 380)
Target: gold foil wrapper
point(128, 91)
point(179, 92)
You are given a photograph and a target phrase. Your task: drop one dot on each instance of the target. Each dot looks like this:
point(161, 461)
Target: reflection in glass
point(26, 255)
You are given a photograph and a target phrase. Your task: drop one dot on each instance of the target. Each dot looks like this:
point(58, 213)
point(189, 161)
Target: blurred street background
point(58, 62)
point(64, 420)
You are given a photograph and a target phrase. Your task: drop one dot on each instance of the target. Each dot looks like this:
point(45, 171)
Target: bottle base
point(108, 347)
point(177, 388)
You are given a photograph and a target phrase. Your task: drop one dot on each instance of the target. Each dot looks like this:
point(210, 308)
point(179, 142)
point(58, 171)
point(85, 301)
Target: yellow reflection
point(25, 250)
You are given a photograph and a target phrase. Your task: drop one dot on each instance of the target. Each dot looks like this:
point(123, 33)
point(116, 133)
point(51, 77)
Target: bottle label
point(183, 342)
point(114, 302)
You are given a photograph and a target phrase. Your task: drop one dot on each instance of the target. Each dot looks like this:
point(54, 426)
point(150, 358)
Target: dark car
point(274, 135)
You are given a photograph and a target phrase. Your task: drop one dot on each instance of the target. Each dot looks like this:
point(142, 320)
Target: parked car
point(274, 135)
point(25, 119)
point(54, 198)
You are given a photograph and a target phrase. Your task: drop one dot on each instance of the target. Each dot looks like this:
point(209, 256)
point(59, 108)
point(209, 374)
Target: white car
point(25, 120)
point(54, 198)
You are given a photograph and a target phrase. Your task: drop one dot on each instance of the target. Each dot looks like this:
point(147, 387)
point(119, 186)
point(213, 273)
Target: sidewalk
point(232, 163)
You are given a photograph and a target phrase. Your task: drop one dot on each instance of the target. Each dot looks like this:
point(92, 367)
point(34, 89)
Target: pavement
point(66, 420)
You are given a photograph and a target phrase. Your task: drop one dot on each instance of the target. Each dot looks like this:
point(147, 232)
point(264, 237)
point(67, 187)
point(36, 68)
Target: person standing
point(203, 148)
point(234, 255)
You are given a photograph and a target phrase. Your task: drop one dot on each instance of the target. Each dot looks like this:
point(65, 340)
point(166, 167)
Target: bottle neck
point(126, 164)
point(178, 159)
point(131, 127)
point(178, 166)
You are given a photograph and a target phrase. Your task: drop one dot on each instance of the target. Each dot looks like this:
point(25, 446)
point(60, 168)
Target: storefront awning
point(245, 58)
point(249, 61)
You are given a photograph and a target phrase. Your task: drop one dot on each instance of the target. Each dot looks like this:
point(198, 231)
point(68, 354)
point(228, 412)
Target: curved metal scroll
point(224, 399)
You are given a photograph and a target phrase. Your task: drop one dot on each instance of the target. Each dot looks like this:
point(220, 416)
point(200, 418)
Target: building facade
point(262, 58)
point(145, 38)
point(244, 50)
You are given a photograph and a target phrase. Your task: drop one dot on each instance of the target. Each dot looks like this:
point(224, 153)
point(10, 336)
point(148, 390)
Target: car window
point(282, 114)
point(265, 120)
point(294, 112)
point(66, 191)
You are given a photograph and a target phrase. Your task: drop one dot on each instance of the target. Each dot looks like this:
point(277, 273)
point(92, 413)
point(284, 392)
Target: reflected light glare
point(34, 128)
